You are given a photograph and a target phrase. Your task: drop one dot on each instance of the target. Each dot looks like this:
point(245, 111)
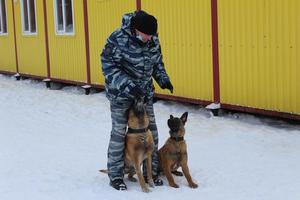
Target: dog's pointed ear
point(184, 117)
point(169, 123)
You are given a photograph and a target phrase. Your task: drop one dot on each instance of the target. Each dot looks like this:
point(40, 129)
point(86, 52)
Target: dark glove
point(137, 92)
point(168, 85)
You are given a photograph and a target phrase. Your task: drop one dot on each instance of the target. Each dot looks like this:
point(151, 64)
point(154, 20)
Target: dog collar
point(177, 139)
point(133, 130)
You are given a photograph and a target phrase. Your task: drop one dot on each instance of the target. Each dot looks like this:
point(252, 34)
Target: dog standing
point(174, 152)
point(139, 145)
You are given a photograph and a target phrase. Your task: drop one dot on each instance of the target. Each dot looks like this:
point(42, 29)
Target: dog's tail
point(104, 171)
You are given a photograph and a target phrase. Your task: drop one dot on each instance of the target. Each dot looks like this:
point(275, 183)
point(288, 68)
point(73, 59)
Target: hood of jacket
point(126, 23)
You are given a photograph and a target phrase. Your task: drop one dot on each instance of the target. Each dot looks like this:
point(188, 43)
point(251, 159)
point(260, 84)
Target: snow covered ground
point(53, 142)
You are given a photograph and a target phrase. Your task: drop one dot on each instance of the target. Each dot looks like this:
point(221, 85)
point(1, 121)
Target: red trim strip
point(87, 41)
point(7, 72)
point(215, 49)
point(53, 79)
point(32, 76)
point(68, 81)
point(15, 37)
point(183, 99)
point(138, 4)
point(98, 86)
point(46, 39)
point(261, 111)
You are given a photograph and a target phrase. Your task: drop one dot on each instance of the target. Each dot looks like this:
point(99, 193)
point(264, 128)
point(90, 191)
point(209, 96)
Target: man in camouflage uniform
point(130, 58)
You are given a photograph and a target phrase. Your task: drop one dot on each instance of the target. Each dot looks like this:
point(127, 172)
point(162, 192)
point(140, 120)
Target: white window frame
point(63, 32)
point(1, 32)
point(29, 21)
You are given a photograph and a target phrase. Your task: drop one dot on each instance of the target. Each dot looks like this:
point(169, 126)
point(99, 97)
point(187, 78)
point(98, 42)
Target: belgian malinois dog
point(139, 145)
point(174, 152)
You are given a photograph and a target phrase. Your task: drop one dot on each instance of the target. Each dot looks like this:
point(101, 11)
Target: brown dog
point(174, 153)
point(139, 145)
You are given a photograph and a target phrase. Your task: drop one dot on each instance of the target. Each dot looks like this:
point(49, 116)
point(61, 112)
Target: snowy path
point(52, 142)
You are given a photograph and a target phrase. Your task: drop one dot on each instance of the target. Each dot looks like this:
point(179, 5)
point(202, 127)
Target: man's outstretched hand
point(168, 85)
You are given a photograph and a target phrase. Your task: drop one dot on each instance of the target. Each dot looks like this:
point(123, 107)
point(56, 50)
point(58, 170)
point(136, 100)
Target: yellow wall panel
point(258, 45)
point(7, 44)
point(67, 52)
point(185, 34)
point(31, 48)
point(105, 16)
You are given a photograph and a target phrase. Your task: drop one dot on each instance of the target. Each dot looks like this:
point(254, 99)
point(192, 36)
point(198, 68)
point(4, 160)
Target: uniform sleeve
point(112, 69)
point(159, 72)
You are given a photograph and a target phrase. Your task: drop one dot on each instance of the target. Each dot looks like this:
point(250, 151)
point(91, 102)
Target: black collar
point(141, 130)
point(177, 139)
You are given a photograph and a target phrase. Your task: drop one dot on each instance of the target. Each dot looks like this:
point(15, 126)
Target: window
point(3, 21)
point(64, 16)
point(28, 16)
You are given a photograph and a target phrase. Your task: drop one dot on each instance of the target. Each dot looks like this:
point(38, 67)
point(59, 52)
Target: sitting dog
point(174, 152)
point(139, 145)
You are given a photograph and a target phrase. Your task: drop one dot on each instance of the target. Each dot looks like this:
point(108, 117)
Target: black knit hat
point(144, 23)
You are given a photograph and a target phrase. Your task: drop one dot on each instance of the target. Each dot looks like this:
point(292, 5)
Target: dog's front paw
point(174, 185)
point(193, 185)
point(145, 189)
point(151, 183)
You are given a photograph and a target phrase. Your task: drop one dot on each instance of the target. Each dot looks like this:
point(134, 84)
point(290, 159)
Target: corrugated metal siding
point(104, 17)
point(258, 45)
point(185, 35)
point(67, 53)
point(258, 48)
point(7, 44)
point(31, 48)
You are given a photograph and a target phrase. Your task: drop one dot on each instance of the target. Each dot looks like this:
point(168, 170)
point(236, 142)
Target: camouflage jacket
point(127, 62)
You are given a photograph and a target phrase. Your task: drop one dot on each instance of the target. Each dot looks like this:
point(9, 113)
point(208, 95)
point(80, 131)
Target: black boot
point(118, 184)
point(157, 181)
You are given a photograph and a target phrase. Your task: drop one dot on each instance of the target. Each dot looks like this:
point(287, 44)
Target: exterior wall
point(253, 66)
point(185, 33)
point(104, 17)
point(259, 61)
point(31, 48)
point(67, 52)
point(7, 43)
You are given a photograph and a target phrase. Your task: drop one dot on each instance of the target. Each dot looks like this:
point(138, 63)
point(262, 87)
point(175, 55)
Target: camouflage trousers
point(119, 116)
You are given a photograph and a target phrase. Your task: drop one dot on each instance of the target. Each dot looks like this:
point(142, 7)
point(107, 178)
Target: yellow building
point(8, 61)
point(239, 53)
point(259, 64)
point(30, 37)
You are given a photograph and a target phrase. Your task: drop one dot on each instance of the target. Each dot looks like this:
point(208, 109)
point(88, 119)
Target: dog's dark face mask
point(176, 125)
